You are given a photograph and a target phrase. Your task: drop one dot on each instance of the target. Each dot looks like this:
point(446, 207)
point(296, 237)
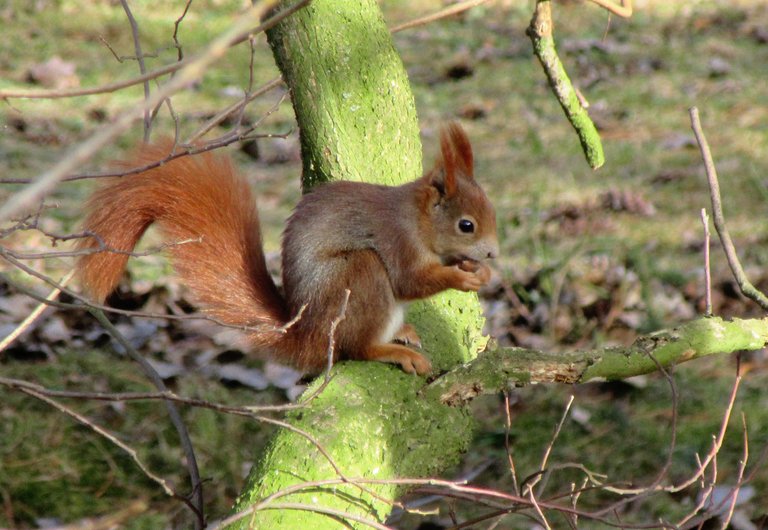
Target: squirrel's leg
point(407, 335)
point(411, 362)
point(373, 314)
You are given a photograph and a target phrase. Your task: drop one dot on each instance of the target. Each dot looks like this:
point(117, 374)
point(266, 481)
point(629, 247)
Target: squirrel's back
point(208, 216)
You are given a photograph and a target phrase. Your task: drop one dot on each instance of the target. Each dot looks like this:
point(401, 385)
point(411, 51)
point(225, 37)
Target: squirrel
point(387, 245)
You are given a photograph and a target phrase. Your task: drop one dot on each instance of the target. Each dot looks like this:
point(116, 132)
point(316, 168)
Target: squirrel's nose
point(493, 251)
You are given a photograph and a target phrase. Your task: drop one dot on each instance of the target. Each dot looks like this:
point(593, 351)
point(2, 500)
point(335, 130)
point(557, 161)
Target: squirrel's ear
point(453, 134)
point(439, 180)
point(444, 174)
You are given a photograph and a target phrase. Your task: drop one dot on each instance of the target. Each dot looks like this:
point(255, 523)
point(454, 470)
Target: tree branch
point(499, 368)
point(746, 287)
point(540, 31)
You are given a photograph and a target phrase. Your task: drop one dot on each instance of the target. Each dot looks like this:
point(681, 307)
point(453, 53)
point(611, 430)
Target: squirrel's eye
point(466, 226)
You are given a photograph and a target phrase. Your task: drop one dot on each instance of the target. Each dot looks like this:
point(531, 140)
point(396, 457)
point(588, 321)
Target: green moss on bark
point(350, 92)
point(541, 34)
point(370, 433)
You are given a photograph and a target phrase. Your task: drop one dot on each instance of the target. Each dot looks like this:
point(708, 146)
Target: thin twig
point(234, 107)
point(176, 26)
point(90, 91)
point(717, 443)
point(167, 488)
point(167, 395)
point(335, 514)
point(332, 333)
point(34, 315)
point(740, 475)
point(623, 11)
point(179, 150)
point(531, 482)
point(639, 493)
point(96, 250)
point(508, 445)
point(458, 7)
point(173, 413)
point(745, 286)
point(707, 271)
point(142, 65)
point(89, 304)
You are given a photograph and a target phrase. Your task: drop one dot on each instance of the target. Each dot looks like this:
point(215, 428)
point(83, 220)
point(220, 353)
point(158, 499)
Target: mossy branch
point(498, 368)
point(540, 31)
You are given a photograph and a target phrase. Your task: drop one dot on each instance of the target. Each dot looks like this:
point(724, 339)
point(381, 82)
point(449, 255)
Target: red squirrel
point(386, 244)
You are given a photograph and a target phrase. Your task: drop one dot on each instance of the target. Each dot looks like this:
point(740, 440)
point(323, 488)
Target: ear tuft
point(444, 176)
point(453, 135)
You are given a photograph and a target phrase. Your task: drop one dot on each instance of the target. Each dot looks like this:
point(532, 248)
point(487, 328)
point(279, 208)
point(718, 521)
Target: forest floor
point(589, 258)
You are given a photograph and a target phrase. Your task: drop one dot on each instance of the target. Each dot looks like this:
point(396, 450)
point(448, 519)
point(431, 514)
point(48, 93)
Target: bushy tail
point(207, 214)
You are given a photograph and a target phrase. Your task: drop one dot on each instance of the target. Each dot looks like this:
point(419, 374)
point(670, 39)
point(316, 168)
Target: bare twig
point(636, 494)
point(548, 450)
point(234, 107)
point(707, 271)
point(575, 494)
point(454, 489)
point(717, 440)
point(142, 65)
point(455, 9)
point(95, 250)
point(176, 26)
point(740, 475)
point(529, 484)
point(167, 488)
point(624, 10)
point(745, 285)
point(508, 445)
point(336, 514)
point(101, 89)
point(35, 314)
point(173, 413)
point(180, 150)
point(166, 395)
point(89, 304)
point(332, 333)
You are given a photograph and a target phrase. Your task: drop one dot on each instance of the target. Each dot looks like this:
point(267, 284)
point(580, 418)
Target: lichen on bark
point(540, 31)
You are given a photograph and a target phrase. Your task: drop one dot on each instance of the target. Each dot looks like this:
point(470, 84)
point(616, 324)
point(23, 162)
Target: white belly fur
point(396, 320)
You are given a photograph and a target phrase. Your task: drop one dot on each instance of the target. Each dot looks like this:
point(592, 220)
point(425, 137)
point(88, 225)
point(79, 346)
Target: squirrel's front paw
point(474, 275)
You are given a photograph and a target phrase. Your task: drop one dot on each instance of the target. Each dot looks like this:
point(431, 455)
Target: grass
point(640, 77)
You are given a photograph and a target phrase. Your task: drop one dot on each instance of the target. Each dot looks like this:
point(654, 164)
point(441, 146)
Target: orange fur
point(206, 212)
